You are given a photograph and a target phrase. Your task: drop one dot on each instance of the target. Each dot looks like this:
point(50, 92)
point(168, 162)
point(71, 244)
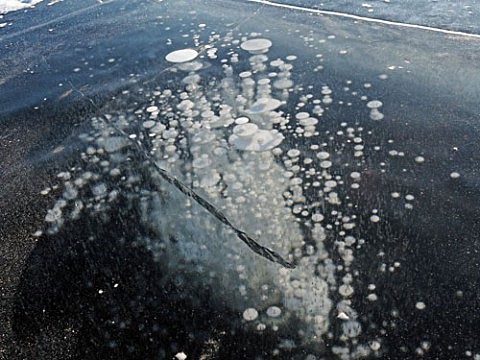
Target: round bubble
point(241, 120)
point(374, 104)
point(419, 159)
point(283, 84)
point(420, 305)
point(323, 155)
point(181, 56)
point(152, 109)
point(256, 46)
point(250, 314)
point(274, 311)
point(264, 104)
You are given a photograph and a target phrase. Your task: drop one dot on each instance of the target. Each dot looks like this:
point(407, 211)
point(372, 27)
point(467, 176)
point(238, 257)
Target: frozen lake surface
point(460, 15)
point(256, 181)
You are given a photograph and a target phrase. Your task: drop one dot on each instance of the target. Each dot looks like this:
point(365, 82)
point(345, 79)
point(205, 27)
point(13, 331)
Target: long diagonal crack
point(249, 241)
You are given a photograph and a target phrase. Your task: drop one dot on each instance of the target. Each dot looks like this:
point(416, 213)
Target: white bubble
point(249, 137)
point(283, 83)
point(350, 240)
point(330, 183)
point(53, 215)
point(375, 345)
point(355, 175)
point(454, 175)
point(264, 105)
point(261, 327)
point(152, 109)
point(277, 63)
point(302, 115)
point(374, 218)
point(325, 164)
point(327, 100)
point(115, 172)
point(293, 153)
point(64, 175)
point(317, 217)
point(376, 115)
point(181, 56)
point(309, 122)
point(345, 290)
point(245, 130)
point(245, 74)
point(419, 159)
point(149, 124)
point(274, 311)
point(323, 155)
point(256, 46)
point(420, 305)
point(250, 314)
point(241, 120)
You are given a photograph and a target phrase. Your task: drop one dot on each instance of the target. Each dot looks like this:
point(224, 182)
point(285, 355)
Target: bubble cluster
point(249, 139)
